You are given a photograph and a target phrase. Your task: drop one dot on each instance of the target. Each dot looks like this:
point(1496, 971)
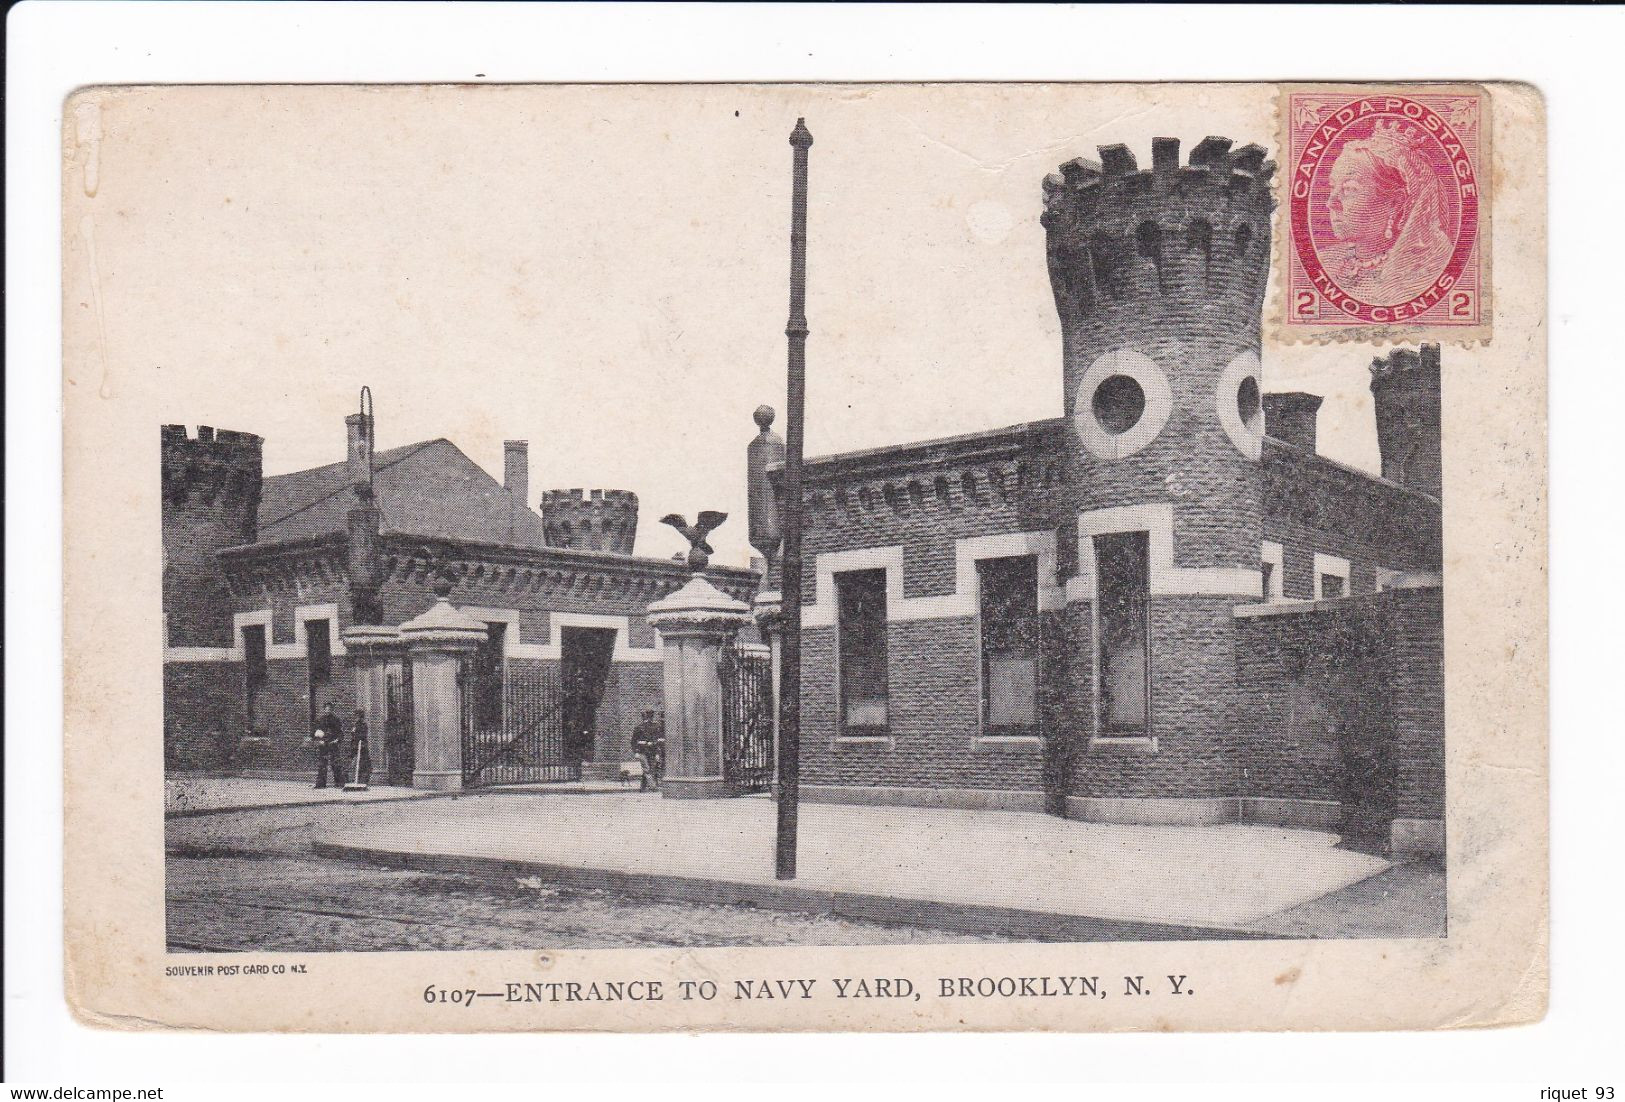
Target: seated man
point(649, 744)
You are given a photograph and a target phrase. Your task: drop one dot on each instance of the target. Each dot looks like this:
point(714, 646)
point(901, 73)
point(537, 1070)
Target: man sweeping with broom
point(360, 755)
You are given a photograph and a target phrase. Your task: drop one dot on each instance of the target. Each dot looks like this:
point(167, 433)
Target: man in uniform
point(649, 744)
point(329, 738)
point(358, 762)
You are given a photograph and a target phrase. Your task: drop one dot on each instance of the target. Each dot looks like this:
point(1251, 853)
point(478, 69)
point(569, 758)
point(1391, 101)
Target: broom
point(354, 783)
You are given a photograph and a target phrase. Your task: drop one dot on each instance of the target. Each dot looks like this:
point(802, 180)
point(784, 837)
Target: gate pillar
point(769, 615)
point(372, 648)
point(694, 624)
point(437, 643)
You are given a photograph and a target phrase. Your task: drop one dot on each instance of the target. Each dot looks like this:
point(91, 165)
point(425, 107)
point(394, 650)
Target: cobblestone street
point(248, 881)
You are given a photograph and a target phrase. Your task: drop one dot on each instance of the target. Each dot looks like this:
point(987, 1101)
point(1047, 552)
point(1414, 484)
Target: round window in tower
point(1241, 405)
point(1121, 404)
point(1118, 404)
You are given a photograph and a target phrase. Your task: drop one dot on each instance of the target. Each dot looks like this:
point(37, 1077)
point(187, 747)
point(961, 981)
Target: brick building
point(1162, 606)
point(263, 577)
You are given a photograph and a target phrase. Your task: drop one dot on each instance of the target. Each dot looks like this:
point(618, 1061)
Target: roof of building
point(426, 489)
point(1013, 439)
point(929, 454)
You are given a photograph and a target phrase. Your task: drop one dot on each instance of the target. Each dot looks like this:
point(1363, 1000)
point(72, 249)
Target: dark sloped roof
point(425, 489)
point(925, 455)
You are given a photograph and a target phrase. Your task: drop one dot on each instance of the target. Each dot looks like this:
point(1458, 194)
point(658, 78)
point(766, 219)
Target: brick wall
point(204, 715)
point(1193, 705)
point(285, 710)
point(1012, 481)
point(1305, 673)
point(633, 687)
point(1313, 505)
point(1415, 678)
point(933, 686)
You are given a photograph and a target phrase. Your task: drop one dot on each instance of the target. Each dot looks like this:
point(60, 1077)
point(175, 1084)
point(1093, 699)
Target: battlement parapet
point(1406, 367)
point(216, 470)
point(1120, 235)
point(1406, 389)
point(595, 520)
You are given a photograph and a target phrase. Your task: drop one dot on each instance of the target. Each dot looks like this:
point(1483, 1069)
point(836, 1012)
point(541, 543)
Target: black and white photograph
point(769, 556)
point(1107, 644)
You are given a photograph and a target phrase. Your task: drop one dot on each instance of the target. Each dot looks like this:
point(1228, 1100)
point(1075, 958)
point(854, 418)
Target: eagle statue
point(699, 552)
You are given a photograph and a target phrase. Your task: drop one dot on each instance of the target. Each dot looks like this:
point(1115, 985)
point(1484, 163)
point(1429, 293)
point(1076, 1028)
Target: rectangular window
point(861, 651)
point(255, 672)
point(1268, 569)
point(1009, 626)
point(319, 650)
point(1123, 579)
point(1331, 576)
point(319, 660)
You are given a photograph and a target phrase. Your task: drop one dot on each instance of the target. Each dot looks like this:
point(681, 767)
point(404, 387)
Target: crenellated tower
point(211, 497)
point(1158, 276)
point(602, 520)
point(1405, 386)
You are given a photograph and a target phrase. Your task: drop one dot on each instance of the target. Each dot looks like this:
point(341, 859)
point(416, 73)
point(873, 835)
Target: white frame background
point(55, 48)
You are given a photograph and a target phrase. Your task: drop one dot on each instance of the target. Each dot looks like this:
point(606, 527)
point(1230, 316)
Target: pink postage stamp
point(1387, 212)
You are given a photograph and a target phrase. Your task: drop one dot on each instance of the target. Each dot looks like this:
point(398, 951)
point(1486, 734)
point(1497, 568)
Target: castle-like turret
point(1159, 276)
point(1405, 387)
point(211, 497)
point(602, 520)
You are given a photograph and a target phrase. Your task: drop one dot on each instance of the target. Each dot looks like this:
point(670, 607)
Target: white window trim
point(964, 601)
point(507, 616)
point(303, 615)
point(1159, 403)
point(552, 649)
point(889, 739)
point(1274, 554)
point(1148, 741)
point(1337, 568)
point(1249, 441)
point(1167, 580)
point(233, 653)
point(989, 548)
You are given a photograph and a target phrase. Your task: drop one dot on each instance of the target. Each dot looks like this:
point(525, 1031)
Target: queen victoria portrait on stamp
point(1386, 205)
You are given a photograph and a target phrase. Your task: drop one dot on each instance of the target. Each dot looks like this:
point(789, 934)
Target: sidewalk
point(206, 795)
point(1021, 875)
point(203, 795)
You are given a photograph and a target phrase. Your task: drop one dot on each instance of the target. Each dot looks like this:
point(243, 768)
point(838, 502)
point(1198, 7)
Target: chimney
point(1291, 418)
point(1405, 386)
point(516, 470)
point(358, 444)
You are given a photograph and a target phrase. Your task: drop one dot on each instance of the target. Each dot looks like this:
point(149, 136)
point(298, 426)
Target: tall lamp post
point(795, 331)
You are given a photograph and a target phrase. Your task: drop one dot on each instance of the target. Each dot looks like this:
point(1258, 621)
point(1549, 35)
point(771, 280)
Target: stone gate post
point(437, 644)
point(372, 648)
point(694, 624)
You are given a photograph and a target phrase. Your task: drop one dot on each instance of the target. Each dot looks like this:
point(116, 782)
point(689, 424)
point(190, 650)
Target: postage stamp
point(1386, 212)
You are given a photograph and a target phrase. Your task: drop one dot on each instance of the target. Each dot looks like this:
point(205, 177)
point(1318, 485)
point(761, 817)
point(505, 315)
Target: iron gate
point(513, 727)
point(399, 739)
point(747, 719)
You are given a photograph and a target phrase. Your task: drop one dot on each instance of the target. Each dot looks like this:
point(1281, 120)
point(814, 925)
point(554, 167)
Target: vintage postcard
point(805, 557)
